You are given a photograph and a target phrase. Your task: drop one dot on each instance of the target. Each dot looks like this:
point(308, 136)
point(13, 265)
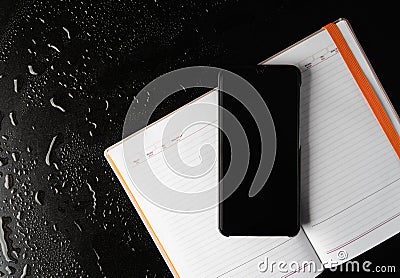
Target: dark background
point(72, 218)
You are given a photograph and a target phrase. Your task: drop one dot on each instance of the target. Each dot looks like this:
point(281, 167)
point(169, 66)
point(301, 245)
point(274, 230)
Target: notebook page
point(350, 174)
point(192, 240)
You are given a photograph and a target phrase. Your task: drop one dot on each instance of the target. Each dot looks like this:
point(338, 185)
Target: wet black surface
point(67, 215)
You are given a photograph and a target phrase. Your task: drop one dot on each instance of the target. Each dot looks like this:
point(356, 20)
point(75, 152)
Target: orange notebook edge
point(142, 215)
point(364, 86)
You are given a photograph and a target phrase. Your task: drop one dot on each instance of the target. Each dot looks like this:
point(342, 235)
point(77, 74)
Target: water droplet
point(47, 160)
point(98, 260)
point(78, 226)
point(93, 196)
point(3, 161)
point(15, 254)
point(66, 31)
point(13, 118)
point(53, 47)
point(31, 71)
point(15, 156)
point(25, 271)
point(94, 124)
point(16, 85)
point(8, 181)
point(39, 197)
point(56, 106)
point(10, 270)
point(3, 243)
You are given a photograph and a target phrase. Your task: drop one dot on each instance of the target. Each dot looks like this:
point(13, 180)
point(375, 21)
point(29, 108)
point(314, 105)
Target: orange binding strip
point(141, 213)
point(364, 86)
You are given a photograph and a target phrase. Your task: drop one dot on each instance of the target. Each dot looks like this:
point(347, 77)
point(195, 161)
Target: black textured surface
point(71, 218)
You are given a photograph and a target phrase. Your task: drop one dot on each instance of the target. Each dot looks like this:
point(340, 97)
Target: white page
point(192, 241)
point(350, 173)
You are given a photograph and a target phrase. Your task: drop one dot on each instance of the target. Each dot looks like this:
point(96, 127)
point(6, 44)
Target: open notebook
point(350, 174)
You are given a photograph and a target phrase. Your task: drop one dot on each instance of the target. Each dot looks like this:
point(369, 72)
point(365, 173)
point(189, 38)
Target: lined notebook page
point(192, 241)
point(350, 174)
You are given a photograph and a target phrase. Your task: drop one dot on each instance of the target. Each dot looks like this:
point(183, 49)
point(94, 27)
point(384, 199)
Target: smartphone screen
point(271, 208)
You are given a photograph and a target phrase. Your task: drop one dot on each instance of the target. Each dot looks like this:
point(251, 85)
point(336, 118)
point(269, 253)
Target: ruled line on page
point(363, 199)
point(365, 233)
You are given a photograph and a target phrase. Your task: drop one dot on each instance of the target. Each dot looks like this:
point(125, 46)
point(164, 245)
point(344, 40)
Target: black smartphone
point(271, 208)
